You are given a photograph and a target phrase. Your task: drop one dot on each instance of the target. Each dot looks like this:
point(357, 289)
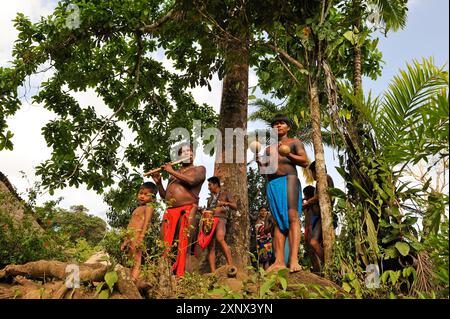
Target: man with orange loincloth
point(219, 204)
point(182, 198)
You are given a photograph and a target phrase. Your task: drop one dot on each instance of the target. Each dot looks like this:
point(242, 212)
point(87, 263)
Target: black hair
point(214, 180)
point(261, 207)
point(280, 118)
point(312, 166)
point(180, 150)
point(309, 191)
point(151, 186)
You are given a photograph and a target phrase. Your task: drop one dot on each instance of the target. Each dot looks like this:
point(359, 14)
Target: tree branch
point(217, 25)
point(151, 28)
point(289, 71)
point(286, 56)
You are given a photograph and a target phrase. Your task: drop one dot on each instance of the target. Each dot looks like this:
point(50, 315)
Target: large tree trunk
point(353, 139)
point(322, 184)
point(233, 114)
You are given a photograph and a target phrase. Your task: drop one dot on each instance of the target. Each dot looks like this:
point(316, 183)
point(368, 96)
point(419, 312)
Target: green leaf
point(359, 187)
point(384, 276)
point(346, 287)
point(417, 246)
point(408, 271)
point(403, 248)
point(390, 252)
point(350, 36)
point(348, 115)
point(394, 276)
point(372, 233)
point(111, 278)
point(99, 287)
point(266, 287)
point(264, 76)
point(104, 294)
point(283, 272)
point(337, 192)
point(217, 291)
point(341, 171)
point(296, 120)
point(283, 283)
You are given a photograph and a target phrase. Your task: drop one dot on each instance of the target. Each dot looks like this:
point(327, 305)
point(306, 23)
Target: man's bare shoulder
point(294, 140)
point(200, 171)
point(197, 169)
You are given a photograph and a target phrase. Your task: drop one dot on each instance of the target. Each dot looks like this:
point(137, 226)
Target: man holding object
point(182, 198)
point(284, 192)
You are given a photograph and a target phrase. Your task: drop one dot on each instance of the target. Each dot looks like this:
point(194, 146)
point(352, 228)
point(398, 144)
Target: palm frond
point(266, 110)
point(393, 13)
point(409, 94)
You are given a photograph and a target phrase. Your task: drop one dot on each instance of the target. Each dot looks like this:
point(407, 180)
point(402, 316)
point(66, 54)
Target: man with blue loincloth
point(284, 192)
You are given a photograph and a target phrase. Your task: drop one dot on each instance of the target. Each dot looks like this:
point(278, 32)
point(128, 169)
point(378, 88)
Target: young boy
point(138, 226)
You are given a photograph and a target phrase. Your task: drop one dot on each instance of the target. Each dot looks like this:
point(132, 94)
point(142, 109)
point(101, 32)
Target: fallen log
point(54, 269)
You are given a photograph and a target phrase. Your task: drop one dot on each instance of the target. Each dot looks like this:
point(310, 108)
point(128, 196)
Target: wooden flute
point(156, 170)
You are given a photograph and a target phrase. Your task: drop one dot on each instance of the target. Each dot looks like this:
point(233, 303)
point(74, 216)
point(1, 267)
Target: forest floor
point(48, 280)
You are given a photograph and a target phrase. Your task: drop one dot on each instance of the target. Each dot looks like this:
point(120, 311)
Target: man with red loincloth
point(181, 196)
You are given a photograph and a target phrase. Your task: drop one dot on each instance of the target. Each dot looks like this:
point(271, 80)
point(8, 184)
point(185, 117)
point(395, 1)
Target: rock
point(99, 257)
point(230, 272)
point(231, 276)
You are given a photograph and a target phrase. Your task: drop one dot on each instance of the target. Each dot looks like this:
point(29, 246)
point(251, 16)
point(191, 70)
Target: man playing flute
point(181, 195)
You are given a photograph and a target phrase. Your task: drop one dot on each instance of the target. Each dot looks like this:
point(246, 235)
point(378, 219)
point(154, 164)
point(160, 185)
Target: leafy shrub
point(438, 246)
point(22, 243)
point(81, 251)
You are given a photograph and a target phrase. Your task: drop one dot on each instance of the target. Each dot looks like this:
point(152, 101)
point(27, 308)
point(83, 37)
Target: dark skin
point(286, 166)
point(137, 227)
point(315, 199)
point(311, 210)
point(316, 233)
point(187, 179)
point(225, 200)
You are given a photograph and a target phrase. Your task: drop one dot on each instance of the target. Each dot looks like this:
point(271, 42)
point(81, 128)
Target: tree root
point(54, 269)
point(125, 285)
